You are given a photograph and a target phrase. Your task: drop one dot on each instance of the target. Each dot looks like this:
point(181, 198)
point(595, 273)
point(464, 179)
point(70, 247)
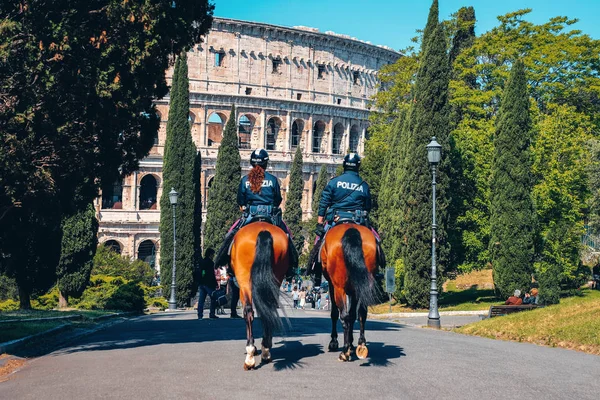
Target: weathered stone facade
point(291, 87)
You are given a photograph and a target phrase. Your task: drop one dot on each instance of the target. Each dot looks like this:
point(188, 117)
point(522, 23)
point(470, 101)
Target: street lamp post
point(434, 154)
point(173, 199)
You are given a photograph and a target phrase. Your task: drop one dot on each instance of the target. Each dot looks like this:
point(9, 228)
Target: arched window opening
point(216, 122)
point(245, 131)
point(147, 253)
point(208, 187)
point(353, 145)
point(112, 196)
point(297, 128)
point(113, 245)
point(191, 118)
point(318, 132)
point(338, 134)
point(273, 126)
point(148, 189)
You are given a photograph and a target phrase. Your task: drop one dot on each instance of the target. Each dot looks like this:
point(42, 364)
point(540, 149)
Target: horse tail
point(361, 280)
point(265, 290)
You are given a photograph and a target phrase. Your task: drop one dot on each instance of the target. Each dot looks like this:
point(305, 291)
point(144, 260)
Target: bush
point(127, 297)
point(9, 305)
point(47, 301)
point(109, 263)
point(399, 272)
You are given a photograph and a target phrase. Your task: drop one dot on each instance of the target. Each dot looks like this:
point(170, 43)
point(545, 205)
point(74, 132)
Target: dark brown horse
point(349, 259)
point(259, 258)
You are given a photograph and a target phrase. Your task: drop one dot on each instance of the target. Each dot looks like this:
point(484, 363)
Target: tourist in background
point(207, 282)
point(515, 299)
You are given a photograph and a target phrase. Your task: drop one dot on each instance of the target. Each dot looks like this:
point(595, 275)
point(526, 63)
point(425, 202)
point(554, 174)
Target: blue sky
point(393, 22)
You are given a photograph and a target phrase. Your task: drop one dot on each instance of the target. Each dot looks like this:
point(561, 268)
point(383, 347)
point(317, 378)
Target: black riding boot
point(222, 257)
point(314, 267)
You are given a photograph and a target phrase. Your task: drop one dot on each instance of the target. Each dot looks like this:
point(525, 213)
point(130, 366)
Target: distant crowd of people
point(302, 295)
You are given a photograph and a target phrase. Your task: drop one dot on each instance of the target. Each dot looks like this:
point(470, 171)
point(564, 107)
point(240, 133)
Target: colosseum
point(291, 87)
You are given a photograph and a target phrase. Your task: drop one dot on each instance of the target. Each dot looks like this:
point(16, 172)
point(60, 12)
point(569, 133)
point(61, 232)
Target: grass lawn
point(27, 314)
point(572, 324)
point(468, 292)
point(18, 330)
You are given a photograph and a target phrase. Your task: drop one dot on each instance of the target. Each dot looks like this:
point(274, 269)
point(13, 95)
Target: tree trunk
point(63, 300)
point(24, 299)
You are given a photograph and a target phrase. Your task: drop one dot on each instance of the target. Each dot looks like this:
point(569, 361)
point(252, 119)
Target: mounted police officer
point(346, 197)
point(259, 195)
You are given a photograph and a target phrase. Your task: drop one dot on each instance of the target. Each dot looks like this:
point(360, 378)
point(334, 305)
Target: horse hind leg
point(335, 315)
point(250, 362)
point(348, 317)
point(267, 343)
point(362, 351)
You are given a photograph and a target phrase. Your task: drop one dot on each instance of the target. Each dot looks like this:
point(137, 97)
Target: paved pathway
point(175, 356)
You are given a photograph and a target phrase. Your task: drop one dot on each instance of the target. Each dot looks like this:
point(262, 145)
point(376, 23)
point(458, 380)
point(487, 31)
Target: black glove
point(320, 230)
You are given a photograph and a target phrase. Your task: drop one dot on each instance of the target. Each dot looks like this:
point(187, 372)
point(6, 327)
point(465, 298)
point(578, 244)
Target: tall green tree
point(79, 241)
point(560, 167)
point(293, 201)
point(78, 83)
point(430, 117)
point(179, 165)
point(512, 219)
point(222, 210)
point(197, 208)
point(322, 180)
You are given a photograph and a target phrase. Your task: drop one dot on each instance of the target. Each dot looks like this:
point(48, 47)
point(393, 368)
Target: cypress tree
point(465, 32)
point(512, 218)
point(178, 173)
point(197, 209)
point(322, 180)
point(293, 202)
point(79, 242)
point(222, 210)
point(430, 117)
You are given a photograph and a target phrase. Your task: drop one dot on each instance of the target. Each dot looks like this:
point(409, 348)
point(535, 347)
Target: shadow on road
point(184, 328)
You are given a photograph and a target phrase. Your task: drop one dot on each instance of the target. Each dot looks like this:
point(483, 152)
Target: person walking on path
point(295, 296)
point(302, 298)
point(318, 300)
point(207, 283)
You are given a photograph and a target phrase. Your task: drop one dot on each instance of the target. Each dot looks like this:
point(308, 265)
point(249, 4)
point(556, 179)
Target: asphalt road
point(175, 356)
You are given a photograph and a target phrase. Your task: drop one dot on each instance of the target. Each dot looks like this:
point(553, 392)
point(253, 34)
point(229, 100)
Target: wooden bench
point(496, 311)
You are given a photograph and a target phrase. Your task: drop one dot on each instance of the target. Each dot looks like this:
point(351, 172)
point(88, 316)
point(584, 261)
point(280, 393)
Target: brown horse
point(260, 259)
point(349, 259)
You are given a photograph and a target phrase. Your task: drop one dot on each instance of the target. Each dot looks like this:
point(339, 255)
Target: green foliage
point(512, 217)
point(322, 180)
point(293, 202)
point(8, 288)
point(593, 173)
point(222, 210)
point(79, 243)
point(429, 117)
point(179, 167)
point(110, 263)
point(9, 305)
point(399, 274)
point(78, 83)
point(127, 297)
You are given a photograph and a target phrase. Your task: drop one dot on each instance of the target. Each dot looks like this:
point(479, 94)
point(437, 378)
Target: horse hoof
point(333, 346)
point(344, 357)
point(362, 352)
point(265, 356)
point(248, 367)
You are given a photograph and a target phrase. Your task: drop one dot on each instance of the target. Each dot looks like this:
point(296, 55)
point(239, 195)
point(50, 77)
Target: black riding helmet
point(351, 162)
point(259, 157)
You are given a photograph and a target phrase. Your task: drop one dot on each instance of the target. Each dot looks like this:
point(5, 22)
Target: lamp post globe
point(434, 155)
point(173, 195)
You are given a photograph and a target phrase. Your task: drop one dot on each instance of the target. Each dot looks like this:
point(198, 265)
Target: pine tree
point(222, 210)
point(430, 117)
point(178, 173)
point(512, 217)
point(78, 248)
point(293, 202)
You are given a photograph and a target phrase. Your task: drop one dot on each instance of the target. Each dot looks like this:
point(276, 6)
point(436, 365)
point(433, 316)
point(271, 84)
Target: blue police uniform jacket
point(347, 192)
point(269, 194)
